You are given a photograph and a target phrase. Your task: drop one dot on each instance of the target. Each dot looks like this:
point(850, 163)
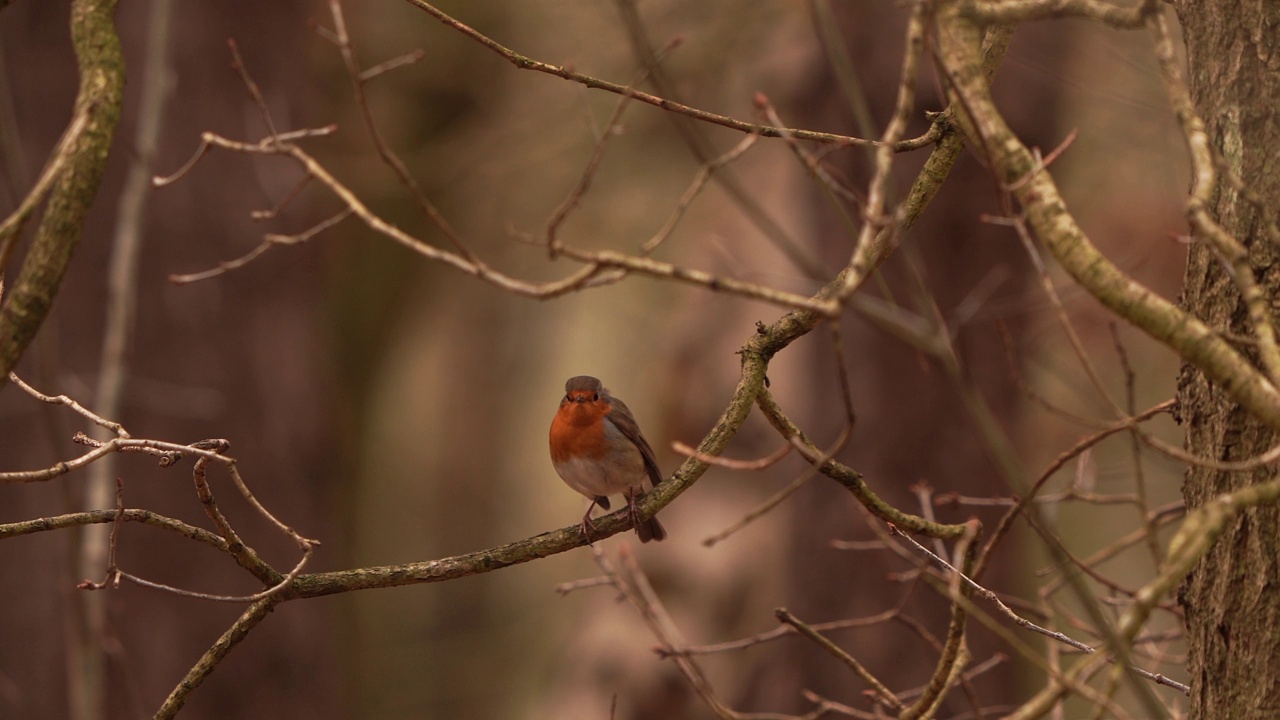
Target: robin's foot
point(587, 526)
point(633, 512)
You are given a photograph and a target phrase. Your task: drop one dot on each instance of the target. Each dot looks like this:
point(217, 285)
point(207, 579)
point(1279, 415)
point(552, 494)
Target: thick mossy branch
point(1046, 213)
point(101, 65)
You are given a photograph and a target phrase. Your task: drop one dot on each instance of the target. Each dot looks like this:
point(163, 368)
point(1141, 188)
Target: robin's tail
point(651, 529)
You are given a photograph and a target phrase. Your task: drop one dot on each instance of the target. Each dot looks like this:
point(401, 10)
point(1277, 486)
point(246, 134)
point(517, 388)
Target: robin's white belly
point(594, 478)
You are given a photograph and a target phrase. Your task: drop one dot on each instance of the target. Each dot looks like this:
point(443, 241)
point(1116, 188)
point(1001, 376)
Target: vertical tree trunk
point(1232, 599)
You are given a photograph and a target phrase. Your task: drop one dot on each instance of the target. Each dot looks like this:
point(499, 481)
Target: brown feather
point(621, 417)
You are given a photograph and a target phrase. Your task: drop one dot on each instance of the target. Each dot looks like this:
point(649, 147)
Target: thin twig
point(285, 582)
point(245, 556)
point(880, 229)
point(276, 209)
point(611, 129)
point(851, 479)
point(268, 241)
point(1018, 619)
point(113, 574)
point(781, 632)
point(567, 587)
point(883, 694)
point(704, 174)
point(389, 157)
point(58, 161)
point(1006, 521)
point(408, 58)
point(94, 517)
point(255, 94)
point(1135, 450)
point(76, 407)
point(214, 655)
point(595, 264)
point(524, 63)
point(729, 463)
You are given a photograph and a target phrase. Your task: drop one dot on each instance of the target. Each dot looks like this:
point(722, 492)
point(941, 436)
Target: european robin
point(598, 450)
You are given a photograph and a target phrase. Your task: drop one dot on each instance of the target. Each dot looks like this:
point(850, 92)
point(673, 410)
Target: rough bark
point(101, 65)
point(1231, 601)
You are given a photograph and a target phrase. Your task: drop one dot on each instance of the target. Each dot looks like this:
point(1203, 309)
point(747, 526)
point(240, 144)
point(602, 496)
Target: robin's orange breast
point(577, 433)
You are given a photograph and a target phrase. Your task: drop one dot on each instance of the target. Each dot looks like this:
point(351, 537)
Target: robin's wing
point(622, 419)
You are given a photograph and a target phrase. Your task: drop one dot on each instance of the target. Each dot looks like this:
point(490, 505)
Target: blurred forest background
point(398, 410)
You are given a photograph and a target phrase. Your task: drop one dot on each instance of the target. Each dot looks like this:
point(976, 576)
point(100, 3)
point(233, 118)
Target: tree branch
point(1047, 215)
point(101, 67)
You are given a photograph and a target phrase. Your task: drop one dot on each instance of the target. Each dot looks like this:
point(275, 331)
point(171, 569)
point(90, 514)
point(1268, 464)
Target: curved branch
point(1010, 11)
point(97, 48)
point(851, 479)
point(97, 517)
point(62, 153)
point(524, 63)
point(598, 267)
point(234, 634)
point(1046, 213)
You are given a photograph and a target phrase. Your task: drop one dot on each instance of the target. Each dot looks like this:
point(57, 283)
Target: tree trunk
point(1231, 599)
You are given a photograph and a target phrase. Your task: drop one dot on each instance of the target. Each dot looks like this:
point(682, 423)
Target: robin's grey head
point(583, 383)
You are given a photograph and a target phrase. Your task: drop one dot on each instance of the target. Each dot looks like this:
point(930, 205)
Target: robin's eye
point(595, 396)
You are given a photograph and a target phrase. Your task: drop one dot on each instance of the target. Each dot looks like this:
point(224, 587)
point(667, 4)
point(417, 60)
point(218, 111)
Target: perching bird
point(598, 450)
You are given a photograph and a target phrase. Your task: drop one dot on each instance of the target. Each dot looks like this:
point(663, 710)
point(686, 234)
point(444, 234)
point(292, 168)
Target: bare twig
point(567, 587)
point(524, 63)
point(848, 477)
point(729, 463)
point(214, 655)
point(595, 263)
point(285, 581)
point(284, 202)
point(611, 129)
point(808, 159)
point(76, 407)
point(697, 138)
point(846, 432)
point(1015, 617)
point(268, 241)
point(393, 161)
point(1006, 521)
point(883, 694)
point(58, 161)
point(408, 58)
point(777, 498)
point(879, 229)
point(1135, 449)
point(635, 587)
point(704, 174)
point(255, 94)
point(781, 632)
point(112, 576)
